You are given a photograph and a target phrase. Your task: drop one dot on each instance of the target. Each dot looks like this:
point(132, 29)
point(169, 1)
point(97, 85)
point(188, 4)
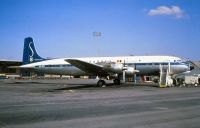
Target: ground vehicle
point(192, 80)
point(2, 76)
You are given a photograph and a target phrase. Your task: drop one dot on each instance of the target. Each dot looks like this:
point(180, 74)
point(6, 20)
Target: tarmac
point(78, 103)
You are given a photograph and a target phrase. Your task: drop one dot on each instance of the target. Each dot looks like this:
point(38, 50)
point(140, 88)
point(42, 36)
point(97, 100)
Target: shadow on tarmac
point(83, 86)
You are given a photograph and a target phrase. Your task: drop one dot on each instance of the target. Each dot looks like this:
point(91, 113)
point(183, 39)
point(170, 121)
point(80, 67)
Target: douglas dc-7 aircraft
point(104, 67)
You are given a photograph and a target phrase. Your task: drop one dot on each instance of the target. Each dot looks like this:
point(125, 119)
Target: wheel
point(174, 82)
point(101, 83)
point(116, 81)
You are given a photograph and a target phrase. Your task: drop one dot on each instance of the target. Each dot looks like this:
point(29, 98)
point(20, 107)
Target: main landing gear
point(117, 81)
point(102, 83)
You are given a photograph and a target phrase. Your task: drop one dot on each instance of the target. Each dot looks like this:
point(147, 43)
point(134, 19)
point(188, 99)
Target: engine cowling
point(117, 68)
point(130, 71)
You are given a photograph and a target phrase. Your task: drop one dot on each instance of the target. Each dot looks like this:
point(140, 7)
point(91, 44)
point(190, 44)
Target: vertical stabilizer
point(30, 55)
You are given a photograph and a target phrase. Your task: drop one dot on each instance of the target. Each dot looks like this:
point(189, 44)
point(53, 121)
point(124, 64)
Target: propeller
point(124, 72)
point(127, 71)
point(119, 68)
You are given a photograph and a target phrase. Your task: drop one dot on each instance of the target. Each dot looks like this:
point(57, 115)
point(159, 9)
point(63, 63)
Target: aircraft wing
point(14, 67)
point(20, 67)
point(90, 68)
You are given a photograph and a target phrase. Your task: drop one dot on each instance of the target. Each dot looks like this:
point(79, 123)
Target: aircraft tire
point(101, 83)
point(116, 81)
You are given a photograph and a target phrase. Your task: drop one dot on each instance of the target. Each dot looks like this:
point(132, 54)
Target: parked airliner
point(104, 67)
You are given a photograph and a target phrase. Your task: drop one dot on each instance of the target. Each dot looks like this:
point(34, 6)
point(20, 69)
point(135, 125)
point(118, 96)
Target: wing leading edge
point(90, 68)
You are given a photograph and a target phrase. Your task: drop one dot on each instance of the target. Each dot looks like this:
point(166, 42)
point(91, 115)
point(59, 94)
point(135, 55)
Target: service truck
point(192, 80)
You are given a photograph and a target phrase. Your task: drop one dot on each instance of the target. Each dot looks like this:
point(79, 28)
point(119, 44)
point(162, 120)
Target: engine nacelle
point(117, 68)
point(130, 71)
point(113, 76)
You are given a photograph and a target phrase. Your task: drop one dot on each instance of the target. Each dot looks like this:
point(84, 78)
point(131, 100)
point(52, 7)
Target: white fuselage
point(146, 65)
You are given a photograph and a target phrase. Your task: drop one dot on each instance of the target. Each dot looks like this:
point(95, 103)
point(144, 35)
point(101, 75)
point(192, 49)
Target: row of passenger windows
point(65, 65)
point(154, 63)
point(100, 61)
point(105, 61)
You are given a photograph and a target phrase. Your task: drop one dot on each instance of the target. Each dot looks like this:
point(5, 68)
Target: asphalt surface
point(78, 103)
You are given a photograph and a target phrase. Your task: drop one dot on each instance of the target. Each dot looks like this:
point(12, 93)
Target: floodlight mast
point(97, 34)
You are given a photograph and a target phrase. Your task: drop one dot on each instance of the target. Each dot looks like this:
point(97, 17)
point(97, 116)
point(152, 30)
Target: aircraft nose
point(185, 68)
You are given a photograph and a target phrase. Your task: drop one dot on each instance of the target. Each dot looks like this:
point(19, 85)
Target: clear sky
point(64, 28)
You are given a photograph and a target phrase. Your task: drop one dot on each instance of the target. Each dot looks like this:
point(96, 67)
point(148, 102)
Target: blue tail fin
point(30, 55)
